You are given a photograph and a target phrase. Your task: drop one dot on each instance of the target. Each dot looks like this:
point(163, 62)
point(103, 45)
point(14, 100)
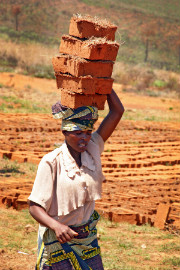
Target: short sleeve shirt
point(64, 190)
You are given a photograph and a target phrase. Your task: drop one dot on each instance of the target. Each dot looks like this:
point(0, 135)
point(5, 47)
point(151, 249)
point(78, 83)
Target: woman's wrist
point(54, 224)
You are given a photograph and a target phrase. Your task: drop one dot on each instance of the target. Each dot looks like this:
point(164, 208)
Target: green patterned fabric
point(82, 118)
point(83, 252)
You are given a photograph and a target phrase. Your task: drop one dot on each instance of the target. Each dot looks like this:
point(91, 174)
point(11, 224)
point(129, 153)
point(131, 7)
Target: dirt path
point(131, 100)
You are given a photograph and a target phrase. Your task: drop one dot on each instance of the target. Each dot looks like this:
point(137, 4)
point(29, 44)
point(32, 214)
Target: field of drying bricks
point(141, 160)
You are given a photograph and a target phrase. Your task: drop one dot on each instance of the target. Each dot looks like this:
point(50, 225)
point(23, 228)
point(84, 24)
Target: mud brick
point(84, 85)
point(74, 100)
point(18, 157)
point(87, 26)
point(126, 217)
point(77, 66)
point(105, 213)
point(7, 155)
point(162, 215)
point(8, 201)
point(92, 49)
point(1, 155)
point(21, 204)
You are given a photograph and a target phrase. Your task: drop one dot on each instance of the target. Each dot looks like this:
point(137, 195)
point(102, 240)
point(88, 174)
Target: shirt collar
point(70, 165)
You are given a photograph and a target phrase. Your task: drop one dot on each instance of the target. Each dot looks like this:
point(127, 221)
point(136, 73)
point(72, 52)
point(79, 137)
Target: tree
point(172, 39)
point(15, 11)
point(148, 31)
point(177, 44)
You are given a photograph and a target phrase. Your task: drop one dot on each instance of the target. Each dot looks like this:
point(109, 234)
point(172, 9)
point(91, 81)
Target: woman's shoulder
point(97, 140)
point(51, 156)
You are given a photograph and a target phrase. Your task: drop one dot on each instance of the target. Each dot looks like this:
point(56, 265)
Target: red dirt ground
point(141, 160)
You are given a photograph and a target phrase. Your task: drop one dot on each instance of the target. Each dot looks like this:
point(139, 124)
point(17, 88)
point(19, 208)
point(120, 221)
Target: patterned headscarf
point(82, 118)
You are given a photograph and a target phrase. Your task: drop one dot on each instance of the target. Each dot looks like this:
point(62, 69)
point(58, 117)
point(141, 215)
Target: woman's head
point(81, 118)
point(77, 125)
point(77, 140)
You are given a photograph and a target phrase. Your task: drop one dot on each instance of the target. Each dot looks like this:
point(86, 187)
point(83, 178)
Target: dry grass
point(95, 40)
point(91, 41)
point(143, 77)
point(72, 57)
point(96, 20)
point(25, 56)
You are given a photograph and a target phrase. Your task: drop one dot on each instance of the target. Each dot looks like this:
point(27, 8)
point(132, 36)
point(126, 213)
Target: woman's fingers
point(73, 233)
point(62, 239)
point(67, 235)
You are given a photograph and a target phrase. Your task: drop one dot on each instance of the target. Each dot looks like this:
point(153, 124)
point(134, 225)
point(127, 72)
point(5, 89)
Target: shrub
point(159, 84)
point(172, 83)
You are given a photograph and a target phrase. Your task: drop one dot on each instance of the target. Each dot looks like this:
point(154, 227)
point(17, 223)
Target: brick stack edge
point(84, 67)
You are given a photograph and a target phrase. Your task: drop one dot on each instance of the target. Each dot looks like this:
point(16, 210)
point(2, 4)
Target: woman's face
point(78, 139)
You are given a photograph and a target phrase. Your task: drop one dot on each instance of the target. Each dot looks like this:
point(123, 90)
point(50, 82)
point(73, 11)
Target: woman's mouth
point(82, 145)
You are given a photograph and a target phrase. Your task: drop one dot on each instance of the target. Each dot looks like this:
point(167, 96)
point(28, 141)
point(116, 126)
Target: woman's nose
point(84, 136)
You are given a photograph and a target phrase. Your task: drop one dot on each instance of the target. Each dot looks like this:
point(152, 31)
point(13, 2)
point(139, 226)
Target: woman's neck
point(76, 155)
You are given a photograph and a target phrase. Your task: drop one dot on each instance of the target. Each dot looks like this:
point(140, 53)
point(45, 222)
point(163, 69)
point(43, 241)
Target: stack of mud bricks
point(84, 67)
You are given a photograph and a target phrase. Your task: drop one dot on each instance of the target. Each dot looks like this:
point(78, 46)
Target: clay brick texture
point(92, 49)
point(78, 100)
point(77, 66)
point(86, 27)
point(84, 85)
point(84, 67)
point(162, 215)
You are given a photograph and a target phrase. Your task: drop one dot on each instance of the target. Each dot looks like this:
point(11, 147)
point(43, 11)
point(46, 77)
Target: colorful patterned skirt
point(82, 253)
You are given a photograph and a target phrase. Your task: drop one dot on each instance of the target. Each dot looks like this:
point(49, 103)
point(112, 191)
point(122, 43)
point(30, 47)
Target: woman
point(68, 182)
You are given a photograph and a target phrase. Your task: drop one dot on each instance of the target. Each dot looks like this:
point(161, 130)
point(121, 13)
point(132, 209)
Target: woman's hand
point(64, 233)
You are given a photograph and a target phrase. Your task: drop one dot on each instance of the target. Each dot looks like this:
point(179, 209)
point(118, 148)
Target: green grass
point(174, 261)
point(12, 229)
point(159, 83)
point(13, 168)
point(41, 71)
point(123, 246)
point(161, 8)
point(126, 246)
point(169, 247)
point(12, 104)
point(147, 115)
point(8, 33)
point(140, 115)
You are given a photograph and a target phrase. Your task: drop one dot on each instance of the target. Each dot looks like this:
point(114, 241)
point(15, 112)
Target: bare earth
point(141, 161)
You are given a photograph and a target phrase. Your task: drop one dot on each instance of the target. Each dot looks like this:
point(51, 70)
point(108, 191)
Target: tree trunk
point(147, 50)
point(16, 18)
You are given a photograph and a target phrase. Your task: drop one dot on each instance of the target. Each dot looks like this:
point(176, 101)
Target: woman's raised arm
point(110, 122)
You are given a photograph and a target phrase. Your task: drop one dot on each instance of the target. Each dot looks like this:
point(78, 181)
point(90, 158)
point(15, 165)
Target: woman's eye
point(78, 132)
